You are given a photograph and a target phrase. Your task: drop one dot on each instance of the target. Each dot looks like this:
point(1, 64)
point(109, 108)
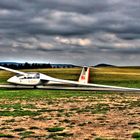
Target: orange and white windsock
point(84, 76)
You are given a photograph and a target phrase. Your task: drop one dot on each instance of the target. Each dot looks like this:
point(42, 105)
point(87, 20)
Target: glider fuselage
point(29, 79)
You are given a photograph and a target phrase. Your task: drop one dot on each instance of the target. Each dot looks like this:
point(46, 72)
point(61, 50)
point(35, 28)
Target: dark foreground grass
point(6, 136)
point(136, 135)
point(55, 129)
point(16, 113)
point(61, 114)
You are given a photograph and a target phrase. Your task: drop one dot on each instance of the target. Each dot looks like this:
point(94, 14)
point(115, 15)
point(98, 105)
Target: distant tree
point(26, 65)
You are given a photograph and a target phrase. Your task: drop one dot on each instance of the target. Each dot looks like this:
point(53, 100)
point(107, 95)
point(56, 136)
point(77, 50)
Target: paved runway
point(66, 88)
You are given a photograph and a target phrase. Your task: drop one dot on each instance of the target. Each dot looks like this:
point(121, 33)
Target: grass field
point(128, 77)
point(72, 115)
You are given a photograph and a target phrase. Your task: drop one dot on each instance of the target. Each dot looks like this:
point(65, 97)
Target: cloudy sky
point(84, 32)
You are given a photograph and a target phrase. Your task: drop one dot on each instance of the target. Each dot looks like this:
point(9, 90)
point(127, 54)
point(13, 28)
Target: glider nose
point(12, 79)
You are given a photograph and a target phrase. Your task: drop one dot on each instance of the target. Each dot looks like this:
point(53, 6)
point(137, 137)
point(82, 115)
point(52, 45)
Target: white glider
point(35, 78)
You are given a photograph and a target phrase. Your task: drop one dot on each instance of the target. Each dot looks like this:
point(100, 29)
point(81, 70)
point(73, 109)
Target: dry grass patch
point(105, 116)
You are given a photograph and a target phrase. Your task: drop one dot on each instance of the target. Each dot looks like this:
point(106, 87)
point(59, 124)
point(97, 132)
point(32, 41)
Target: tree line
point(26, 65)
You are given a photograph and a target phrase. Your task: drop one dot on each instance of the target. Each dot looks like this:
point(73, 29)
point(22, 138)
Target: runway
point(65, 88)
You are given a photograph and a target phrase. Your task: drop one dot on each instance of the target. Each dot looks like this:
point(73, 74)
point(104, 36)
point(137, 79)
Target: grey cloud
point(112, 26)
point(70, 23)
point(11, 5)
point(129, 36)
point(79, 6)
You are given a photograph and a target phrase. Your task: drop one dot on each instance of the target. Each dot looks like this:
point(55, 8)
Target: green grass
point(123, 76)
point(101, 109)
point(9, 106)
point(55, 129)
point(6, 135)
point(26, 134)
point(32, 94)
point(16, 113)
point(103, 139)
point(127, 77)
point(10, 121)
point(96, 109)
point(16, 106)
point(34, 128)
point(136, 135)
point(17, 110)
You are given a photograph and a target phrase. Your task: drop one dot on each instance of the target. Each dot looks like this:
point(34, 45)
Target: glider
point(35, 79)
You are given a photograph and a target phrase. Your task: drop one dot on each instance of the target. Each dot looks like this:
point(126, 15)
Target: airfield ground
point(73, 115)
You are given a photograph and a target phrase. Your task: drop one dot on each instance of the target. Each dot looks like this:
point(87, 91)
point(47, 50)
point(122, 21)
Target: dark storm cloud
point(10, 5)
point(129, 36)
point(87, 29)
point(50, 17)
point(79, 6)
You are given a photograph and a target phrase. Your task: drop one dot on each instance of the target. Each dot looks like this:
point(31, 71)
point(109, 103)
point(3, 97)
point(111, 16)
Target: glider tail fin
point(84, 76)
